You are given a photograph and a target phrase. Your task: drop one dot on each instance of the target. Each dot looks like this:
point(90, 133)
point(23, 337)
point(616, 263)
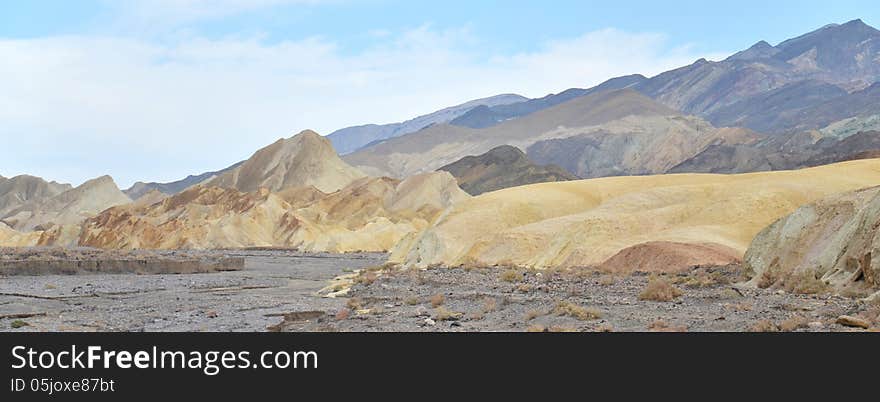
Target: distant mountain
point(306, 159)
point(67, 208)
point(487, 116)
point(781, 153)
point(139, 189)
point(350, 139)
point(19, 190)
point(841, 55)
point(502, 167)
point(442, 144)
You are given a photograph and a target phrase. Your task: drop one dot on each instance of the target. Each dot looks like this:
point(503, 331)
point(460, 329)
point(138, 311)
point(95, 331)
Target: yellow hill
point(584, 223)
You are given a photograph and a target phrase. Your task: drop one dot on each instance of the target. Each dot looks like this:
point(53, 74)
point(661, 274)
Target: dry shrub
point(805, 284)
point(532, 314)
point(663, 326)
point(559, 328)
point(489, 305)
point(524, 288)
point(411, 301)
point(366, 278)
point(738, 306)
point(793, 324)
point(354, 303)
point(511, 275)
point(659, 289)
point(764, 326)
point(607, 280)
point(536, 328)
point(343, 314)
point(565, 308)
point(437, 300)
point(443, 314)
point(605, 328)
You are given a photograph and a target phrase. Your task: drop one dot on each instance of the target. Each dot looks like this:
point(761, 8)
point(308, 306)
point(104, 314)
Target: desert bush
point(793, 323)
point(663, 326)
point(532, 314)
point(443, 314)
point(489, 305)
point(659, 289)
point(437, 300)
point(511, 275)
point(764, 326)
point(343, 314)
point(411, 301)
point(565, 308)
point(536, 328)
point(805, 284)
point(18, 324)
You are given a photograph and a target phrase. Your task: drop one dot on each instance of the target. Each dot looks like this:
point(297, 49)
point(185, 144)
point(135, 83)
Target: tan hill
point(584, 223)
point(442, 144)
point(831, 241)
point(69, 207)
point(502, 167)
point(370, 214)
point(20, 190)
point(12, 238)
point(306, 159)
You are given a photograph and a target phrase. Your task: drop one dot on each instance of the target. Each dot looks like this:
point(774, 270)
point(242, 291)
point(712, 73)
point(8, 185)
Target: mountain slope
point(439, 145)
point(306, 159)
point(843, 55)
point(487, 116)
point(137, 190)
point(584, 223)
point(370, 214)
point(502, 167)
point(19, 190)
point(69, 207)
point(349, 139)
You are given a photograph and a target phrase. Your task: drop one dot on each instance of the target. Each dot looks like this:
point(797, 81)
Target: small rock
point(780, 292)
point(429, 322)
point(850, 321)
point(455, 324)
point(212, 314)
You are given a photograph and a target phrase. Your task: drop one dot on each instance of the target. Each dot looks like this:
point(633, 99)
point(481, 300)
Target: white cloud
point(80, 106)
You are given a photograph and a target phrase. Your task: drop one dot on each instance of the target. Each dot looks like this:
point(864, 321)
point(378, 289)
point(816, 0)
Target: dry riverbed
point(282, 291)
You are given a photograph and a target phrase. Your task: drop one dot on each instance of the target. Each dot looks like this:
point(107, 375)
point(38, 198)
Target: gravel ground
point(272, 283)
point(278, 291)
point(495, 299)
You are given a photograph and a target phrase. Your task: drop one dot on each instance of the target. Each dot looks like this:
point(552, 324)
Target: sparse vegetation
point(18, 324)
point(793, 324)
point(805, 284)
point(664, 326)
point(607, 280)
point(764, 326)
point(511, 275)
point(354, 303)
point(532, 314)
point(489, 305)
point(443, 314)
point(343, 314)
point(437, 300)
point(566, 308)
point(659, 289)
point(536, 328)
point(411, 301)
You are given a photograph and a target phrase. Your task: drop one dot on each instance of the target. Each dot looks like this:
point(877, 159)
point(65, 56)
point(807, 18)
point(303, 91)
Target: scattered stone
point(430, 322)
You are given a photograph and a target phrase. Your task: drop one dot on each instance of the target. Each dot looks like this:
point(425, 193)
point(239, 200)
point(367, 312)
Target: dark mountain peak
point(760, 50)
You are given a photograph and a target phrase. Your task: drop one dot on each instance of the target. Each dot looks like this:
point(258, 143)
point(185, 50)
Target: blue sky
point(158, 89)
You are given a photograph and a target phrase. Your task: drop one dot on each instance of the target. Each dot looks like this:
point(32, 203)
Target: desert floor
point(279, 291)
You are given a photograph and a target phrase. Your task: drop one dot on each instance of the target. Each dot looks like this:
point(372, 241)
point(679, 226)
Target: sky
point(155, 90)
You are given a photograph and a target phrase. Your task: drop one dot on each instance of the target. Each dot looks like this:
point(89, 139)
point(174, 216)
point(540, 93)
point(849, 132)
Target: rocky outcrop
point(669, 257)
point(502, 167)
point(834, 240)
